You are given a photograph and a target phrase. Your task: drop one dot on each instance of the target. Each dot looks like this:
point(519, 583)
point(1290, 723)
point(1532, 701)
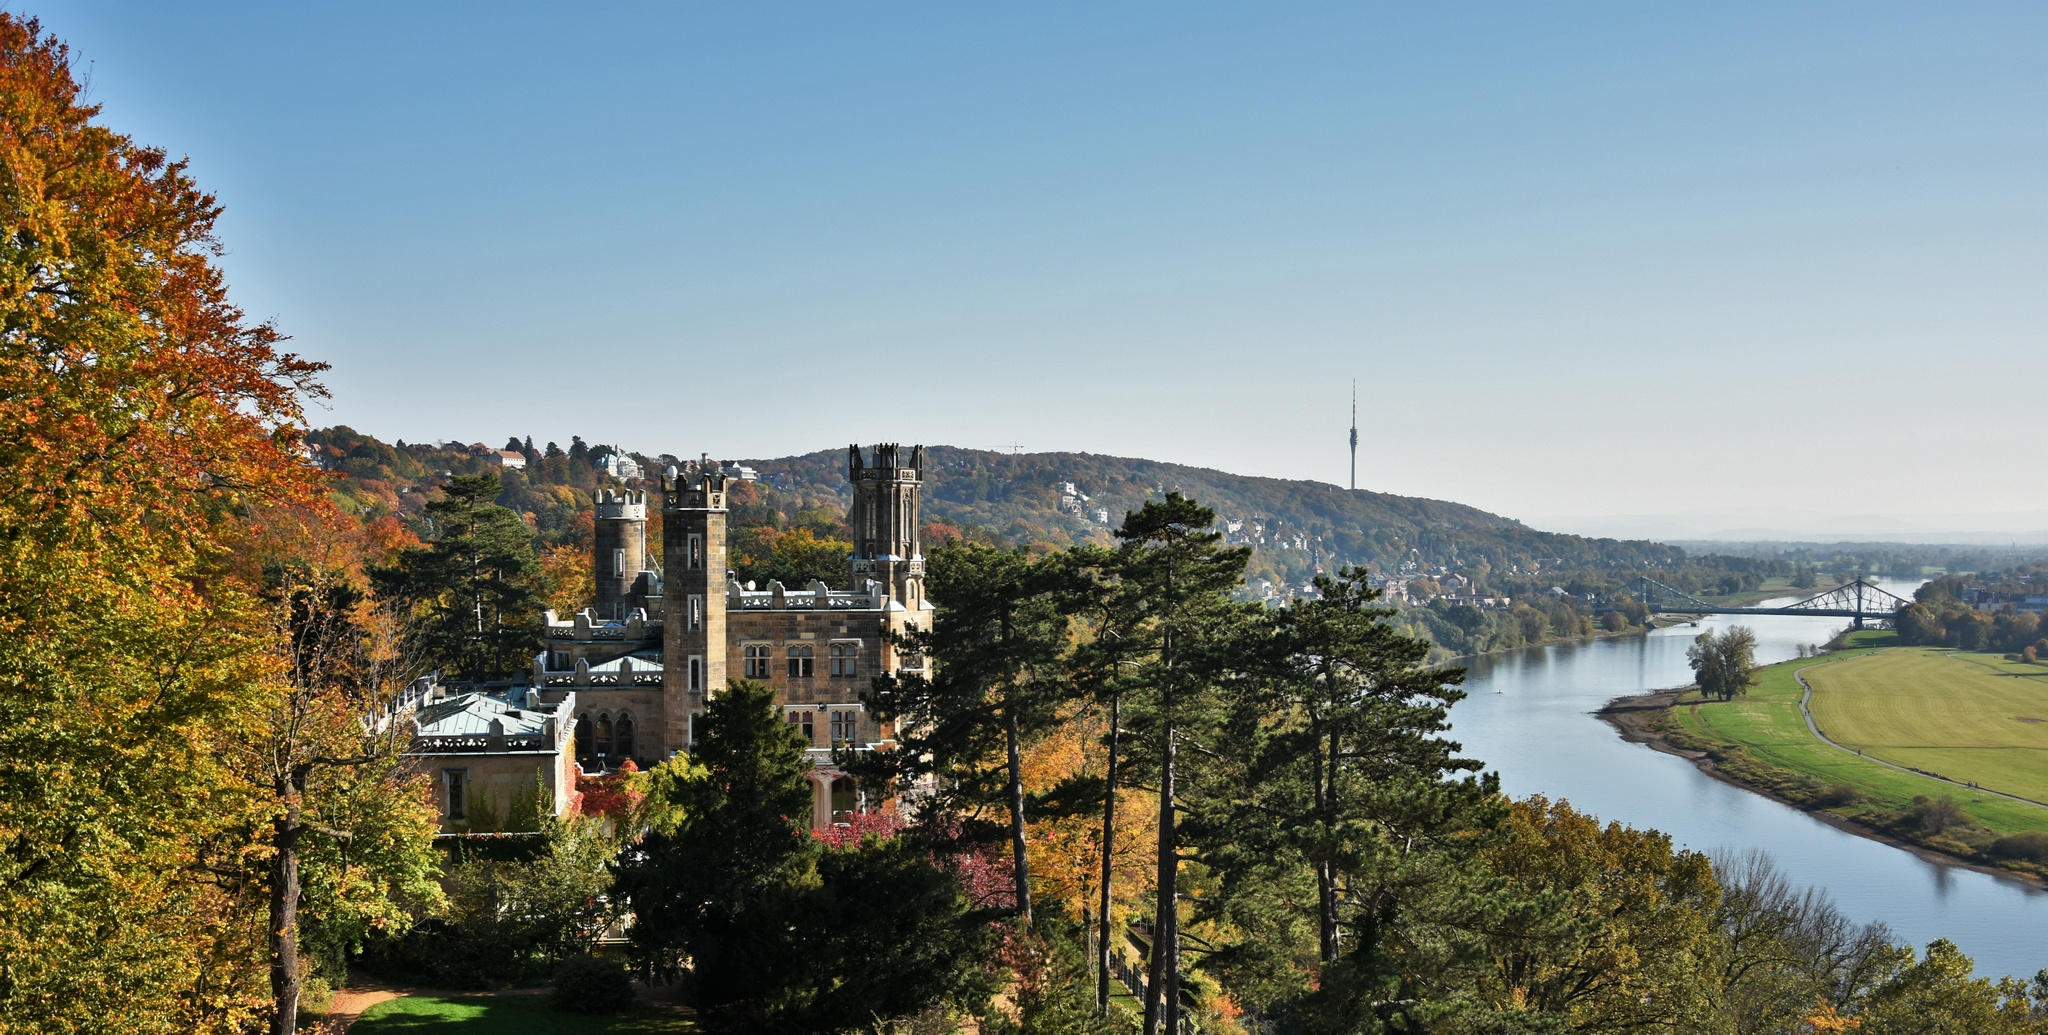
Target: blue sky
point(1592, 264)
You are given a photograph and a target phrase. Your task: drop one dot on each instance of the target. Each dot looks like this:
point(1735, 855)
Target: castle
point(629, 677)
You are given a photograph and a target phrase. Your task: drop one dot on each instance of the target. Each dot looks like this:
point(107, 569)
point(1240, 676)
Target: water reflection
point(1529, 716)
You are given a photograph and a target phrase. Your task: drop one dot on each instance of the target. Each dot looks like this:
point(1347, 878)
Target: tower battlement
point(629, 505)
point(887, 539)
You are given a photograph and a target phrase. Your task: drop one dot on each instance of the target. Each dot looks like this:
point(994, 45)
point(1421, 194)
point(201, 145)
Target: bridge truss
point(1860, 600)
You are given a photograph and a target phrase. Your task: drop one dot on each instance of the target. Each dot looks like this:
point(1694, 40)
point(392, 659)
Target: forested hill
point(1296, 524)
point(1017, 500)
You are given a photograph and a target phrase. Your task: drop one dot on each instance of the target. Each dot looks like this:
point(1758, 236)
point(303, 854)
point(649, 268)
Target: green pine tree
point(715, 893)
point(472, 588)
point(993, 683)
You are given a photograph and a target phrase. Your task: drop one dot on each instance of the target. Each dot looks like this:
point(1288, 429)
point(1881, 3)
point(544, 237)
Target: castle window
point(697, 673)
point(843, 726)
point(693, 553)
point(845, 660)
point(695, 619)
point(604, 737)
point(558, 661)
point(456, 781)
point(757, 661)
point(802, 720)
point(800, 663)
point(622, 736)
point(618, 562)
point(586, 745)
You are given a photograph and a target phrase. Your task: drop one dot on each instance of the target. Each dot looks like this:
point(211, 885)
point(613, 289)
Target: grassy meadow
point(1970, 717)
point(506, 1015)
point(1957, 715)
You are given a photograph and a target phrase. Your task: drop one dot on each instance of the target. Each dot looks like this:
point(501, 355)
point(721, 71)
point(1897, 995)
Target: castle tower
point(886, 536)
point(619, 551)
point(693, 592)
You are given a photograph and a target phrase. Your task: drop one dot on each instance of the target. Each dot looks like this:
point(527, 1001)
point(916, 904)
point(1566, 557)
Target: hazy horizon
point(1617, 264)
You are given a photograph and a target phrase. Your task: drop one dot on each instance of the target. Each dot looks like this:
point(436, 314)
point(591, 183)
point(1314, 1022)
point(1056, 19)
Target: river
point(1530, 717)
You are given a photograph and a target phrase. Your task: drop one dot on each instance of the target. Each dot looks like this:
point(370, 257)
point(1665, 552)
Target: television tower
point(1354, 434)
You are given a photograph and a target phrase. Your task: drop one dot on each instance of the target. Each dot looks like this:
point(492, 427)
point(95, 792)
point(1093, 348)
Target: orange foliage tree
point(141, 415)
point(1066, 849)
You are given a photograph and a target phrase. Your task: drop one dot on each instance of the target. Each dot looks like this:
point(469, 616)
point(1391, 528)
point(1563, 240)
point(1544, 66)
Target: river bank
point(1875, 809)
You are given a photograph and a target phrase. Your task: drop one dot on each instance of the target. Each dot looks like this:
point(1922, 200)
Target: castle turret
point(619, 552)
point(887, 541)
point(693, 589)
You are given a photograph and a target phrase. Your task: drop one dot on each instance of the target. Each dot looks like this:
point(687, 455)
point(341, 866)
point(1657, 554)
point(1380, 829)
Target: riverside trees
point(1724, 663)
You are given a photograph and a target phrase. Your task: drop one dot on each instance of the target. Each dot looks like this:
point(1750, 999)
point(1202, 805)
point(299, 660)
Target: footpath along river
point(1530, 717)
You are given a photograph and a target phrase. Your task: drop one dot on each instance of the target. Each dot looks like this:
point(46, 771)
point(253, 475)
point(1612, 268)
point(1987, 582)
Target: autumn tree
point(142, 413)
point(321, 774)
point(1613, 931)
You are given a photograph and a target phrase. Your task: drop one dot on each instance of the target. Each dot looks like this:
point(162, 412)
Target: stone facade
point(493, 752)
point(660, 644)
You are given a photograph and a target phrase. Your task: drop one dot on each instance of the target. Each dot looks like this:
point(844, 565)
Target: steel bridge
point(1859, 600)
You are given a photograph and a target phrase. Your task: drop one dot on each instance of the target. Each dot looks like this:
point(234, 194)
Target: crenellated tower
point(887, 544)
point(619, 552)
point(693, 590)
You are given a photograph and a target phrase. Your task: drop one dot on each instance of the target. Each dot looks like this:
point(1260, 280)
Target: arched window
point(800, 663)
point(622, 736)
point(604, 736)
point(757, 661)
point(844, 798)
point(586, 747)
point(845, 660)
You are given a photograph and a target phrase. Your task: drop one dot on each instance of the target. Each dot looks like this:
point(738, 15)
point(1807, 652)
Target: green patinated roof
point(471, 714)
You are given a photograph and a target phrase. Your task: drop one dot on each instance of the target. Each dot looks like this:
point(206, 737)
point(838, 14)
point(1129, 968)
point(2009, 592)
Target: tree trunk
point(1326, 870)
point(1162, 990)
point(1102, 945)
point(285, 979)
point(1021, 870)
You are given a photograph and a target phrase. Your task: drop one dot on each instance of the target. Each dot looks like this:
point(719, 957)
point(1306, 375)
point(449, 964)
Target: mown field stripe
point(1806, 697)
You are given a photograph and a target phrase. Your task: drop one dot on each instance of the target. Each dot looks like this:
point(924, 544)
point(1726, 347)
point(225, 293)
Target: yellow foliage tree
point(1066, 851)
point(142, 416)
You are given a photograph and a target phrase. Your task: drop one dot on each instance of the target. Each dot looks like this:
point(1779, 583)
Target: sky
point(1651, 269)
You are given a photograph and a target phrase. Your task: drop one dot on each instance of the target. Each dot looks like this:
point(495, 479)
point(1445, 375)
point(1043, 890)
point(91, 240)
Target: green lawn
point(1762, 739)
point(509, 1015)
point(1942, 711)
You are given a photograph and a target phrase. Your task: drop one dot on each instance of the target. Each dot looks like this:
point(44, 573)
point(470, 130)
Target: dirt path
point(348, 1004)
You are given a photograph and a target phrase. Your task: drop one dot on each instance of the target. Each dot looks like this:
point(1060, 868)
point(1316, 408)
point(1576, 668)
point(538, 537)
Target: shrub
point(2031, 846)
point(592, 984)
point(1934, 815)
point(315, 995)
point(1837, 794)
